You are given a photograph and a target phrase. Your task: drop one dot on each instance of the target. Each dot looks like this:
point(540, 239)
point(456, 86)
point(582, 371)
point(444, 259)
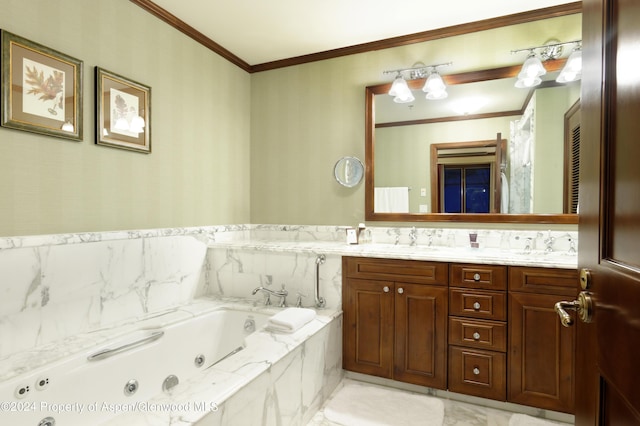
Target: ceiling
point(259, 32)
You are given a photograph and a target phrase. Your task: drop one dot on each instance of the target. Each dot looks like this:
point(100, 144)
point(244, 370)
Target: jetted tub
point(120, 375)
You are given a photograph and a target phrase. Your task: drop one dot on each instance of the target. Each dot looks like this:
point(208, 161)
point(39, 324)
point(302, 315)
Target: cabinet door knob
point(476, 370)
point(476, 306)
point(476, 277)
point(476, 336)
point(400, 290)
point(385, 289)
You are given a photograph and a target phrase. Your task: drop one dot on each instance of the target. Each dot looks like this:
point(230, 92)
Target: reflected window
point(466, 188)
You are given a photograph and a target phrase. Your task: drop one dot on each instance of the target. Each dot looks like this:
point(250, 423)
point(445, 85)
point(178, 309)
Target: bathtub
point(124, 373)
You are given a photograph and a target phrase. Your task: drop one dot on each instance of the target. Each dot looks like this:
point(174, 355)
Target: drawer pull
point(400, 290)
point(476, 306)
point(476, 336)
point(385, 289)
point(476, 277)
point(476, 371)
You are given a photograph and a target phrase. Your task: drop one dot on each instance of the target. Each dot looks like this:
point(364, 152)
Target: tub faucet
point(282, 294)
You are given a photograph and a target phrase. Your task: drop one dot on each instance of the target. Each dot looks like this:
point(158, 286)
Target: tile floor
point(456, 413)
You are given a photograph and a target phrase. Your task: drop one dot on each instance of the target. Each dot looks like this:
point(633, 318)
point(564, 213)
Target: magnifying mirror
point(348, 171)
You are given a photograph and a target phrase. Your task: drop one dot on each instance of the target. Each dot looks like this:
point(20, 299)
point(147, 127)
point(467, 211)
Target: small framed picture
point(41, 89)
point(123, 112)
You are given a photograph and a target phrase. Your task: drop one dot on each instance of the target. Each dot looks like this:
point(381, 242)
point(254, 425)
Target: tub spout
point(282, 294)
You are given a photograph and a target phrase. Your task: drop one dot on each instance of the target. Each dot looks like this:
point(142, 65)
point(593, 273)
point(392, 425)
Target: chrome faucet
point(548, 242)
point(413, 236)
point(282, 294)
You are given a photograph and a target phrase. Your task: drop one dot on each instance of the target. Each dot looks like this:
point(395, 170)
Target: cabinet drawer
point(544, 280)
point(491, 335)
point(478, 304)
point(408, 271)
point(477, 372)
point(488, 277)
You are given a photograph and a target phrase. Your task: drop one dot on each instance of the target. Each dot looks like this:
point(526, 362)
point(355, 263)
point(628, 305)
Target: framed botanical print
point(123, 112)
point(41, 89)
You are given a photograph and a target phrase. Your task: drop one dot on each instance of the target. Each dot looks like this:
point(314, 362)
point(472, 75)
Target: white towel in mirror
point(391, 199)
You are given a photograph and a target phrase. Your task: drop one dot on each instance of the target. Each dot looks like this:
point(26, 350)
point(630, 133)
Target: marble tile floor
point(456, 413)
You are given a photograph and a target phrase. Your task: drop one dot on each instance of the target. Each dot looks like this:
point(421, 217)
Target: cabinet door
point(541, 366)
point(368, 327)
point(421, 335)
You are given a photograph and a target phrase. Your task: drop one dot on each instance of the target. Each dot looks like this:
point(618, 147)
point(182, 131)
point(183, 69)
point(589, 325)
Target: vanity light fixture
point(533, 69)
point(400, 90)
point(572, 70)
point(434, 85)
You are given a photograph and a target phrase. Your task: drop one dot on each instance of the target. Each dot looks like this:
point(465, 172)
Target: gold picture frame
point(123, 112)
point(41, 89)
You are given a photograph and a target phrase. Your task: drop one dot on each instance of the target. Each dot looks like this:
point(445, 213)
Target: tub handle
point(320, 302)
point(109, 352)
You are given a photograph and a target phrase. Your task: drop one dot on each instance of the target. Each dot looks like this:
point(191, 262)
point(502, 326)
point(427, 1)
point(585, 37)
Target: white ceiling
point(264, 31)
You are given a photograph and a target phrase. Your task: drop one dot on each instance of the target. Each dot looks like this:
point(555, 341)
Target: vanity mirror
point(529, 175)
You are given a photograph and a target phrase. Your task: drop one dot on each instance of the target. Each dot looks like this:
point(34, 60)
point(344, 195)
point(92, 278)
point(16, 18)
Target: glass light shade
point(435, 87)
point(406, 97)
point(526, 82)
point(532, 68)
point(399, 87)
point(400, 91)
point(572, 70)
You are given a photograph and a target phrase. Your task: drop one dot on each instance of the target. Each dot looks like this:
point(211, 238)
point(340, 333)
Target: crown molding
point(486, 24)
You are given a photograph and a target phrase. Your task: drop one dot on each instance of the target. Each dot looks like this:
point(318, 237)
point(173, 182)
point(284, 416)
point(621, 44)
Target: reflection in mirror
point(468, 177)
point(535, 179)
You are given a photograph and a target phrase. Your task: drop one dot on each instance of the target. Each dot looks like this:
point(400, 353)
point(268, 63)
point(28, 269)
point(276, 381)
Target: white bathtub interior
point(66, 390)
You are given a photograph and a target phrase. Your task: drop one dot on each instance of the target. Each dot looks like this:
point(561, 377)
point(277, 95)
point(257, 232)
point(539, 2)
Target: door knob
point(583, 306)
point(400, 290)
point(385, 289)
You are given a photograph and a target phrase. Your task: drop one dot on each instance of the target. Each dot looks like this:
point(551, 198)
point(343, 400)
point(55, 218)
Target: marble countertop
point(492, 256)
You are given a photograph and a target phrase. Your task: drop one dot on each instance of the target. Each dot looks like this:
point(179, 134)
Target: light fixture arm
point(546, 46)
point(425, 69)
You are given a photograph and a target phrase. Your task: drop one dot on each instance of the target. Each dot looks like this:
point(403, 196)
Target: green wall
point(228, 146)
point(198, 172)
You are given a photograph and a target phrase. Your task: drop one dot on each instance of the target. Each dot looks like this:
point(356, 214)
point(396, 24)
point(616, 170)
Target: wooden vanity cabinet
point(478, 330)
point(541, 350)
point(395, 319)
point(484, 330)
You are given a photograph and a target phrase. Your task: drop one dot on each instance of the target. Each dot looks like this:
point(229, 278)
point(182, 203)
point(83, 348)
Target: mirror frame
point(461, 78)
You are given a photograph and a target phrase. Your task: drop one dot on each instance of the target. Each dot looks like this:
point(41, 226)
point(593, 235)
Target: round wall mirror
point(348, 171)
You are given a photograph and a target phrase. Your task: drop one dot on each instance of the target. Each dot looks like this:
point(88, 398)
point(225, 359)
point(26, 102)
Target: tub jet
point(47, 421)
point(170, 382)
point(131, 387)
